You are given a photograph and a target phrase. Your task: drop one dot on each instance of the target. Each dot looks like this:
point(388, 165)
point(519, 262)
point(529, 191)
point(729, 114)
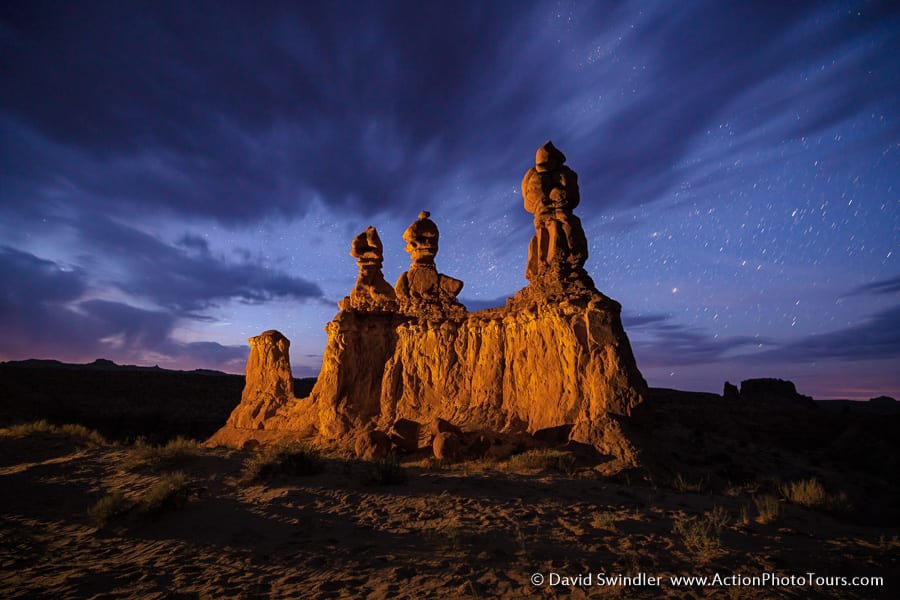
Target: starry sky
point(176, 177)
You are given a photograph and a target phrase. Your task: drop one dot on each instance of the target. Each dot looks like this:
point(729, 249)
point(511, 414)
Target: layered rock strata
point(556, 356)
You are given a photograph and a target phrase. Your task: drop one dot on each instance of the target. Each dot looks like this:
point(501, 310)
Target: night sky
point(177, 177)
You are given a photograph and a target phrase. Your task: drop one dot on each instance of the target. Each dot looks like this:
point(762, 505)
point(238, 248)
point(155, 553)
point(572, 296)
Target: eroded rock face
point(269, 384)
point(555, 357)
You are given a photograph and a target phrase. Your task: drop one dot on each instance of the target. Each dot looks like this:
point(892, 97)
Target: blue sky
point(177, 177)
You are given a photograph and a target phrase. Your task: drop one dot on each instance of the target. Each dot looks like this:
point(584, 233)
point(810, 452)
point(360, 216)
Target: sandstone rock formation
point(269, 384)
point(371, 293)
point(559, 249)
point(422, 291)
point(555, 357)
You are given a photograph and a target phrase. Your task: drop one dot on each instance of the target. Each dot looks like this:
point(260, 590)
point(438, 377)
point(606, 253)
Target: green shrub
point(543, 459)
point(293, 459)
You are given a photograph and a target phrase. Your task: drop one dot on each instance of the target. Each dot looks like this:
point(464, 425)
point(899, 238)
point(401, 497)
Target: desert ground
point(86, 518)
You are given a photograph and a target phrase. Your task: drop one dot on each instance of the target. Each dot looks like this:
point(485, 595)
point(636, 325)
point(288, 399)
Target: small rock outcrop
point(268, 383)
point(423, 372)
point(371, 293)
point(423, 292)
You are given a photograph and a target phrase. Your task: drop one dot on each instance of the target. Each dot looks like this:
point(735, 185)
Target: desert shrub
point(108, 507)
point(170, 492)
point(812, 494)
point(766, 507)
point(683, 485)
point(543, 459)
point(838, 502)
point(387, 471)
point(702, 535)
point(165, 456)
point(808, 492)
point(604, 520)
point(77, 432)
point(293, 459)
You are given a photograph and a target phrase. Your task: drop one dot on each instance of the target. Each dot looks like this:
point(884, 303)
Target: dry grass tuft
point(543, 459)
point(811, 494)
point(604, 520)
point(158, 458)
point(387, 471)
point(108, 507)
point(808, 492)
point(293, 459)
point(683, 485)
point(767, 508)
point(169, 493)
point(702, 535)
point(78, 433)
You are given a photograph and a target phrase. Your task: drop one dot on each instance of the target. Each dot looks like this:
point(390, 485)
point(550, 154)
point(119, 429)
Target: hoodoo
point(399, 361)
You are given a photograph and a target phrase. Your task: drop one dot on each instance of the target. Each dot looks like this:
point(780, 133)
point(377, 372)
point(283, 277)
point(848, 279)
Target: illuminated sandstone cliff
point(555, 355)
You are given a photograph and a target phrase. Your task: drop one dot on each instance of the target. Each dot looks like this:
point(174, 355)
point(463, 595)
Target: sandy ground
point(467, 531)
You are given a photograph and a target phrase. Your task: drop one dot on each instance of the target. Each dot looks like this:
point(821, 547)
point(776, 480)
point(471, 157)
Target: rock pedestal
point(555, 357)
point(269, 384)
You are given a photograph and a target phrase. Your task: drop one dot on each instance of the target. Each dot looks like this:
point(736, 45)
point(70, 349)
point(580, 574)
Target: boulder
point(405, 435)
point(372, 445)
point(447, 446)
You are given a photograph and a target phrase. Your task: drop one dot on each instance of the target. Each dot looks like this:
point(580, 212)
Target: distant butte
point(409, 367)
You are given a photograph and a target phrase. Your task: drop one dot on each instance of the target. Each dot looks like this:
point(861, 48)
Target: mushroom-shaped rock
point(371, 292)
point(421, 290)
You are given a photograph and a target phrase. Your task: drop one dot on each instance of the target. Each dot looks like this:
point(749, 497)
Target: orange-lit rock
point(371, 293)
point(268, 385)
point(423, 292)
point(556, 355)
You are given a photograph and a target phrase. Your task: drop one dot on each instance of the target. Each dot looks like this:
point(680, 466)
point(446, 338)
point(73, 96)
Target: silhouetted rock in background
point(731, 392)
point(122, 401)
point(772, 390)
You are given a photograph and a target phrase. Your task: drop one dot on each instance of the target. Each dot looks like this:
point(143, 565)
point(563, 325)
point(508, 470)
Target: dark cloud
point(27, 277)
point(236, 112)
point(42, 314)
point(885, 286)
point(186, 280)
point(665, 342)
